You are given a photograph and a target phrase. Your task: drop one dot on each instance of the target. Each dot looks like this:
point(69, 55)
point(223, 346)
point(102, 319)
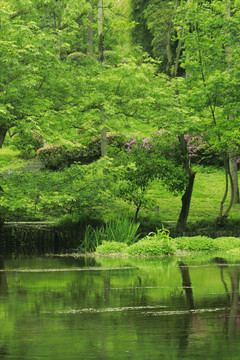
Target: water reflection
point(186, 319)
point(158, 309)
point(3, 280)
point(232, 317)
point(186, 283)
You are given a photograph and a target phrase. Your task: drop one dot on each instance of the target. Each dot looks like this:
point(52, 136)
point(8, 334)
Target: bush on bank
point(158, 246)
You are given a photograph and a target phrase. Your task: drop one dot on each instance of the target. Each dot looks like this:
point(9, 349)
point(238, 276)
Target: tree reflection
point(3, 280)
point(186, 283)
point(186, 319)
point(232, 319)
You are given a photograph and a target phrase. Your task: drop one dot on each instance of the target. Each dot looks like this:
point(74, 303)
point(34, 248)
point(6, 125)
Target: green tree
point(211, 87)
point(145, 161)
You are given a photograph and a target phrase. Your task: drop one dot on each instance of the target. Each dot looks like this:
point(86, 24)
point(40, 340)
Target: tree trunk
point(104, 141)
point(101, 59)
point(90, 48)
point(234, 174)
point(186, 201)
point(187, 196)
point(222, 218)
point(100, 32)
point(3, 132)
point(232, 155)
point(178, 52)
point(169, 52)
point(137, 211)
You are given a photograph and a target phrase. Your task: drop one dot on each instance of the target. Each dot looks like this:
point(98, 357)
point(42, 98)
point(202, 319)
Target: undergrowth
point(160, 243)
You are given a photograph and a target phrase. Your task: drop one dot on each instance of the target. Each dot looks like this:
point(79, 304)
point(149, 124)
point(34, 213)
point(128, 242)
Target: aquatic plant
point(120, 230)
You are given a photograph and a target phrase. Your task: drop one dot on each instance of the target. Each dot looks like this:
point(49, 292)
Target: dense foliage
point(79, 81)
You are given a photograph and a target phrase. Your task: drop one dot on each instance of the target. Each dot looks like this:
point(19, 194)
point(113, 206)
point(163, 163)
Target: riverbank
point(40, 238)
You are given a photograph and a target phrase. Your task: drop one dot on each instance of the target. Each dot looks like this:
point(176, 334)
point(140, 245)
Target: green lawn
point(208, 190)
point(9, 159)
point(207, 194)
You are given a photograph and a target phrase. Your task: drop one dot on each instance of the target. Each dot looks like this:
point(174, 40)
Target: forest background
point(123, 105)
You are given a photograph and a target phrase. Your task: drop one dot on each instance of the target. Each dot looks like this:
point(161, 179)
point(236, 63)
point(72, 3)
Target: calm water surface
point(101, 308)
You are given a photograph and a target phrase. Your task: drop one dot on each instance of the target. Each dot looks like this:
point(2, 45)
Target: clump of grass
point(111, 247)
point(120, 230)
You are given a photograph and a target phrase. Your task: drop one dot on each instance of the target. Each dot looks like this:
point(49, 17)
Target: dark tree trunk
point(187, 196)
point(186, 201)
point(3, 132)
point(137, 211)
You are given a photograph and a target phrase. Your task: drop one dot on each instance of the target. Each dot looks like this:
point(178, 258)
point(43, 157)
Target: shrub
point(53, 156)
point(196, 243)
point(227, 243)
point(111, 247)
point(152, 247)
point(158, 243)
point(58, 156)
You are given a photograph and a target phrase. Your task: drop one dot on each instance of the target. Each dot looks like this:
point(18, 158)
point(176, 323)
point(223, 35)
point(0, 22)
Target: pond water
point(103, 308)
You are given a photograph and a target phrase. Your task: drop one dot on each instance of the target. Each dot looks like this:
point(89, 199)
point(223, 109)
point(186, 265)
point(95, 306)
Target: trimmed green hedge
point(58, 156)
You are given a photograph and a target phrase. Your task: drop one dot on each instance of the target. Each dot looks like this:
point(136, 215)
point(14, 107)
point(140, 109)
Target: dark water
point(67, 309)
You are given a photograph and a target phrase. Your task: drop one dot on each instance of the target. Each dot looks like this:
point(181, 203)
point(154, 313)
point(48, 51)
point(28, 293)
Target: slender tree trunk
point(100, 31)
point(101, 59)
point(137, 211)
point(178, 52)
point(90, 35)
point(232, 155)
point(222, 218)
point(234, 174)
point(104, 141)
point(3, 132)
point(169, 52)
